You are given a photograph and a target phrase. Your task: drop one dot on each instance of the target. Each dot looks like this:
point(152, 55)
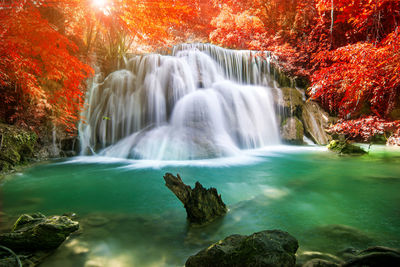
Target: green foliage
point(16, 146)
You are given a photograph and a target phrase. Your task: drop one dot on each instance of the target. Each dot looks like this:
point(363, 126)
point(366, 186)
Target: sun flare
point(100, 3)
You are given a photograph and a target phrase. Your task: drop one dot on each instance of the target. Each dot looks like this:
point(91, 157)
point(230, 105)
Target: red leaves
point(354, 63)
point(365, 128)
point(37, 59)
point(359, 78)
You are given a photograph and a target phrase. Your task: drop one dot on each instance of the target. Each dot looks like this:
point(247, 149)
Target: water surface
point(130, 218)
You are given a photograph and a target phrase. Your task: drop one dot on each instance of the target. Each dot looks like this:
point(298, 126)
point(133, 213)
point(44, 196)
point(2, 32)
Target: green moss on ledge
point(344, 147)
point(16, 146)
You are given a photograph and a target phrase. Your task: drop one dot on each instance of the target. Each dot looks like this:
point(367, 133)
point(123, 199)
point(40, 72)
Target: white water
point(199, 103)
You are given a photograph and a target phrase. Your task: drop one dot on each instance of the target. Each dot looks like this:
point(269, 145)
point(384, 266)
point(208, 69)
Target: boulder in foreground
point(375, 257)
point(37, 232)
point(267, 248)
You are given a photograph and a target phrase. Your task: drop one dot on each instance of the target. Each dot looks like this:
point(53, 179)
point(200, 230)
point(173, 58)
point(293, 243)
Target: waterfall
point(202, 102)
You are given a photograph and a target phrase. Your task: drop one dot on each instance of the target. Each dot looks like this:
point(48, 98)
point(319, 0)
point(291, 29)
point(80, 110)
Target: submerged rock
point(344, 147)
point(202, 205)
point(37, 232)
point(266, 248)
point(96, 220)
point(335, 237)
point(316, 258)
point(375, 257)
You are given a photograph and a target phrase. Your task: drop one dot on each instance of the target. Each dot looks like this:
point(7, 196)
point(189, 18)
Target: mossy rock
point(36, 232)
point(344, 147)
point(266, 248)
point(292, 131)
point(289, 102)
point(16, 146)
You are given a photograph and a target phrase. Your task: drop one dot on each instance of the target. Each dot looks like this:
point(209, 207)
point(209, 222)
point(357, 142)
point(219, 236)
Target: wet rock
point(375, 257)
point(344, 147)
point(37, 232)
point(70, 146)
point(202, 205)
point(266, 248)
point(292, 131)
point(71, 215)
point(347, 253)
point(290, 102)
point(316, 120)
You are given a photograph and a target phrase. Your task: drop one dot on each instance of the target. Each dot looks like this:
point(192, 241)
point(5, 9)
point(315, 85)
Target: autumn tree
point(348, 50)
point(360, 79)
point(40, 74)
point(46, 48)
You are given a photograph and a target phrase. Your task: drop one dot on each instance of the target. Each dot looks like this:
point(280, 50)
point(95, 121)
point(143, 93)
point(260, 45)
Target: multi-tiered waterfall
point(201, 102)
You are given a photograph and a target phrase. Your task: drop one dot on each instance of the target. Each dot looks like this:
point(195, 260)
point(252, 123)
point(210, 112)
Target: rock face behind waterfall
point(267, 248)
point(202, 205)
point(316, 120)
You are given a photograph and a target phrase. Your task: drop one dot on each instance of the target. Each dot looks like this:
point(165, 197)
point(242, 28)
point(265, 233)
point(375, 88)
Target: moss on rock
point(266, 248)
point(37, 232)
point(344, 147)
point(292, 131)
point(16, 146)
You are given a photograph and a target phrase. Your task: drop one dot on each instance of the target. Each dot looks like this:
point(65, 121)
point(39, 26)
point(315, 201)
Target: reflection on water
point(129, 218)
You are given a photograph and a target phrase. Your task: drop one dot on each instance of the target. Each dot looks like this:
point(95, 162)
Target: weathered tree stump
point(202, 205)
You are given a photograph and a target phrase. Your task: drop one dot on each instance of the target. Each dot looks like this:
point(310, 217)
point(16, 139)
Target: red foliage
point(394, 140)
point(33, 55)
point(358, 78)
point(364, 128)
point(350, 50)
point(42, 71)
point(361, 77)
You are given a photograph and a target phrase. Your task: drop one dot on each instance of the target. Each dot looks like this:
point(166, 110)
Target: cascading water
point(202, 102)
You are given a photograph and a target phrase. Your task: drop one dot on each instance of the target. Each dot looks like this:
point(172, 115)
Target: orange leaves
point(38, 58)
point(358, 78)
point(153, 21)
point(32, 54)
point(354, 64)
point(237, 30)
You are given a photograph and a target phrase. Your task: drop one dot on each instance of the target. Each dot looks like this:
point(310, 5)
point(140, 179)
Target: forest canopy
point(347, 51)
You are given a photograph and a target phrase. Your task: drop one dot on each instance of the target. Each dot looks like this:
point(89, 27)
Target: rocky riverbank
point(33, 237)
point(337, 245)
point(299, 118)
point(278, 248)
point(20, 147)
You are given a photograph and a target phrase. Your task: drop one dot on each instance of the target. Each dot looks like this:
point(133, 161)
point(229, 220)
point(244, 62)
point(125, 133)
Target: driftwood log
point(202, 205)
